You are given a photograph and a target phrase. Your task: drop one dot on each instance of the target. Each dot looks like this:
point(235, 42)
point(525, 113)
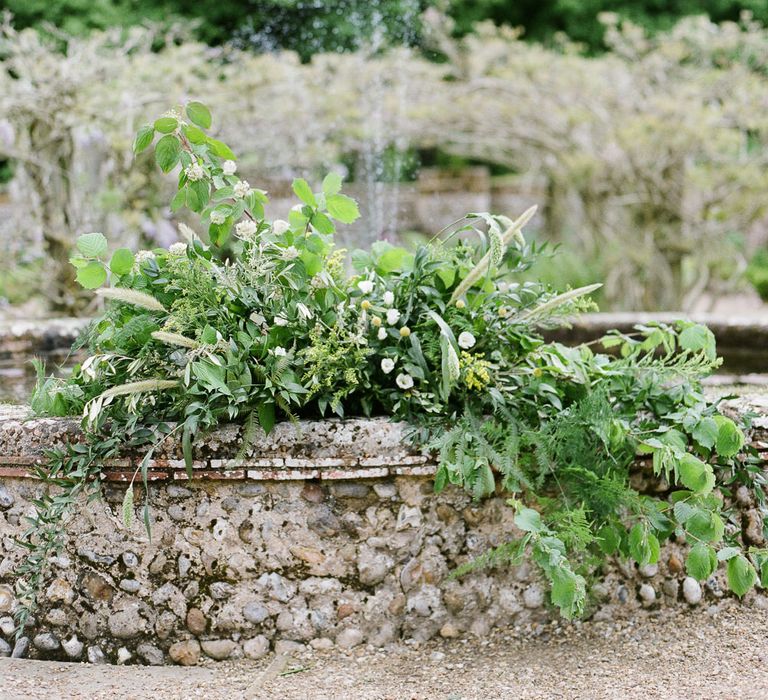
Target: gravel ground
point(719, 653)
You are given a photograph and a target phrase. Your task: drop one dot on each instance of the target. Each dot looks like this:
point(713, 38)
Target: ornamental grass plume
point(139, 387)
point(131, 296)
point(175, 339)
point(513, 232)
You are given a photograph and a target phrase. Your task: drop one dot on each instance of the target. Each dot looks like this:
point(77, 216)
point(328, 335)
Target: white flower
point(195, 172)
point(142, 256)
point(242, 189)
point(304, 312)
point(389, 298)
point(393, 316)
point(280, 321)
point(280, 226)
point(404, 381)
point(246, 228)
point(297, 207)
point(280, 351)
point(503, 287)
point(229, 167)
point(290, 253)
point(177, 248)
point(365, 286)
point(382, 333)
point(387, 365)
point(318, 282)
point(218, 217)
point(466, 340)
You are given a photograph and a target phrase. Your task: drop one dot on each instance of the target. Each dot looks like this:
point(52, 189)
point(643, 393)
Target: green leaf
point(121, 262)
point(166, 125)
point(167, 152)
point(304, 192)
point(219, 233)
point(220, 149)
point(741, 575)
point(441, 478)
point(143, 138)
point(394, 260)
point(199, 114)
point(331, 184)
point(697, 338)
point(92, 245)
point(529, 520)
point(701, 562)
point(568, 592)
point(91, 276)
point(194, 134)
point(705, 432)
point(179, 199)
point(266, 413)
point(643, 545)
point(727, 553)
point(342, 208)
point(730, 439)
point(211, 376)
point(695, 474)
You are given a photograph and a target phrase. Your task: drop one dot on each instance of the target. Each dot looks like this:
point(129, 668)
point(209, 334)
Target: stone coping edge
point(331, 449)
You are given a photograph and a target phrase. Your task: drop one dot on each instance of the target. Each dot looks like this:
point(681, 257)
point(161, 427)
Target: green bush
point(437, 336)
point(757, 273)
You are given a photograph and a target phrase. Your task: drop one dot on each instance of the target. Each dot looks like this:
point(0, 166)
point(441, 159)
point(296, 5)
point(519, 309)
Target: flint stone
point(185, 653)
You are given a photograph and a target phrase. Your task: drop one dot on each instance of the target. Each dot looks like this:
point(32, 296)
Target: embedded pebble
point(692, 591)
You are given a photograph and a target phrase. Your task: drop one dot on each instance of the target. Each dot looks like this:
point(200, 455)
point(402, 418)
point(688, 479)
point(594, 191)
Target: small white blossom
point(195, 172)
point(178, 248)
point(280, 321)
point(365, 286)
point(404, 381)
point(229, 167)
point(466, 340)
point(387, 365)
point(280, 226)
point(382, 333)
point(503, 287)
point(246, 228)
point(297, 207)
point(290, 253)
point(218, 217)
point(393, 316)
point(318, 282)
point(280, 351)
point(242, 189)
point(389, 298)
point(142, 256)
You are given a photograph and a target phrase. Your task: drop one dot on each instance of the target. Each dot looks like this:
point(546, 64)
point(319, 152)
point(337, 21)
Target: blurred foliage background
point(639, 127)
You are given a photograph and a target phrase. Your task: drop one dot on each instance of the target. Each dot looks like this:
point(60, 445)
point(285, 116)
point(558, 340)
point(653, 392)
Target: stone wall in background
point(324, 533)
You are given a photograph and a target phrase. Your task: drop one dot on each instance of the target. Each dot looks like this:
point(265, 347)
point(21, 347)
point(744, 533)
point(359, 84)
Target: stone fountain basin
point(326, 532)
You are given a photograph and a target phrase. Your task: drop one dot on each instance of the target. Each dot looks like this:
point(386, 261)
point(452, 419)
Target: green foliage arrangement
point(442, 337)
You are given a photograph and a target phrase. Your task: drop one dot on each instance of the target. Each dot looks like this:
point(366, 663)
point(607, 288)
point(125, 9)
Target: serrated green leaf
point(727, 553)
point(701, 562)
point(705, 432)
point(730, 439)
point(331, 184)
point(167, 152)
point(199, 114)
point(166, 125)
point(121, 262)
point(568, 592)
point(220, 149)
point(643, 545)
point(695, 474)
point(143, 138)
point(741, 575)
point(92, 276)
point(342, 208)
point(194, 134)
point(304, 191)
point(92, 245)
point(529, 520)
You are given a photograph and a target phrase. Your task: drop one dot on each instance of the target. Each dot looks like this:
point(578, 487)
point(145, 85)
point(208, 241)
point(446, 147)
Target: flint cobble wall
point(324, 533)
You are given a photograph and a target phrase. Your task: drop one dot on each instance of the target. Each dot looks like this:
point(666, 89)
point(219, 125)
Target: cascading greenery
point(442, 336)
